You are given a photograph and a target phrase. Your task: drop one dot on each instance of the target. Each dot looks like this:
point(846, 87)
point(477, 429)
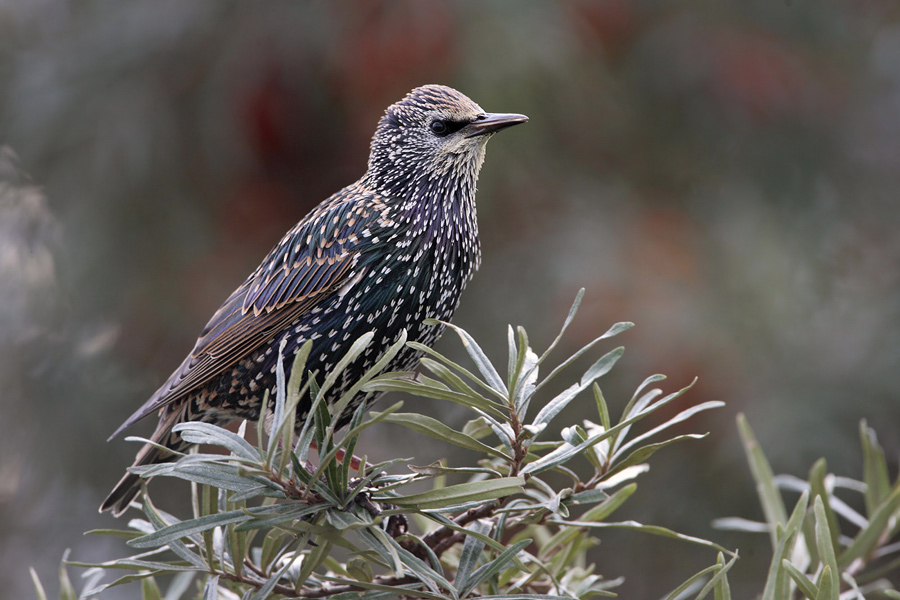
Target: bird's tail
point(129, 486)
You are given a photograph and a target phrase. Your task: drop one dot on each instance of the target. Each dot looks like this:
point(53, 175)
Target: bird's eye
point(439, 128)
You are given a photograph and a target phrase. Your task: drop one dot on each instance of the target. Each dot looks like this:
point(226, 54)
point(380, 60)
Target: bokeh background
point(724, 174)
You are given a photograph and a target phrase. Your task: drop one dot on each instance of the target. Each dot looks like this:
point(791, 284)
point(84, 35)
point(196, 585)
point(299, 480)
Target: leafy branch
point(269, 521)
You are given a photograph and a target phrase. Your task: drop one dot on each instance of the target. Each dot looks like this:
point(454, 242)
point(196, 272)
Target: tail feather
point(128, 487)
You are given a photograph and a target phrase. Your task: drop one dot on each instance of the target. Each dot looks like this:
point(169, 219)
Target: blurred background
point(724, 174)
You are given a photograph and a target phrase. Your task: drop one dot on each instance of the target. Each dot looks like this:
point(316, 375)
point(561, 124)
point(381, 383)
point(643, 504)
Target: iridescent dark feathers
point(382, 255)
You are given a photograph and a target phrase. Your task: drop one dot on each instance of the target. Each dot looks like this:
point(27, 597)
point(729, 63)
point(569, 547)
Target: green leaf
point(614, 330)
point(125, 579)
point(312, 560)
point(635, 526)
point(679, 418)
point(471, 553)
point(566, 323)
point(565, 452)
point(875, 472)
point(341, 404)
point(66, 591)
point(645, 452)
point(769, 497)
point(279, 513)
point(160, 520)
point(211, 589)
point(824, 544)
point(197, 432)
point(183, 529)
point(803, 582)
point(598, 369)
point(477, 491)
point(280, 410)
point(150, 591)
point(477, 428)
point(867, 539)
point(223, 476)
point(402, 559)
point(602, 408)
point(818, 490)
point(720, 579)
point(692, 582)
point(390, 589)
point(429, 388)
point(434, 428)
point(490, 569)
point(456, 382)
point(523, 597)
point(265, 590)
point(36, 581)
point(775, 580)
point(827, 591)
point(358, 347)
point(480, 359)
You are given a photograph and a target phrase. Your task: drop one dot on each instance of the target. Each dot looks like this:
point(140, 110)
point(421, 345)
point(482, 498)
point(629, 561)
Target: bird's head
point(435, 132)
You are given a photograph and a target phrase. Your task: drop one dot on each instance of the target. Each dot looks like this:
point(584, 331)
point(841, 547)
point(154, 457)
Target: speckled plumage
point(383, 254)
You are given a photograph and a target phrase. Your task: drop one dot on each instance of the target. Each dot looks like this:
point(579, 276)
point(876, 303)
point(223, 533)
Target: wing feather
point(314, 259)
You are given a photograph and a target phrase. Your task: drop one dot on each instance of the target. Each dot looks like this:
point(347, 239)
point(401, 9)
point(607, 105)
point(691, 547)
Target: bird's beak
point(491, 123)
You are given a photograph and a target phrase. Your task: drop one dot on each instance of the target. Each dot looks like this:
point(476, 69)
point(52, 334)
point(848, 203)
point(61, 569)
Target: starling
point(381, 255)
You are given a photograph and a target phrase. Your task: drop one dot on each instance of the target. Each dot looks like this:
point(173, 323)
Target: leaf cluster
point(297, 515)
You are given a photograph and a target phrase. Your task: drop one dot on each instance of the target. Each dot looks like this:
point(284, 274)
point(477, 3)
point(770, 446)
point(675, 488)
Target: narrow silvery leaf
point(464, 492)
point(183, 529)
point(680, 417)
point(652, 529)
point(770, 498)
point(602, 366)
point(614, 330)
point(875, 471)
point(566, 323)
point(430, 388)
point(502, 396)
point(280, 398)
point(454, 381)
point(38, 587)
point(526, 382)
point(471, 553)
point(487, 571)
point(356, 349)
point(819, 488)
point(341, 404)
point(784, 545)
point(803, 582)
point(197, 432)
point(436, 429)
point(176, 545)
point(692, 584)
point(480, 359)
point(513, 356)
point(645, 452)
point(598, 369)
point(823, 543)
point(866, 540)
point(211, 589)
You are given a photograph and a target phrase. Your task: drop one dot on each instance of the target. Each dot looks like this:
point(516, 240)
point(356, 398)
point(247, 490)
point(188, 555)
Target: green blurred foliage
point(723, 174)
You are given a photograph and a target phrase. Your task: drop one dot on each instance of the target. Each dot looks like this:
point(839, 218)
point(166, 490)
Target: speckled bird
point(381, 255)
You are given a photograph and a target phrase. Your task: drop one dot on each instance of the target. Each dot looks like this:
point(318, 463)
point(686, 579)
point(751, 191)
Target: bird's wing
point(313, 260)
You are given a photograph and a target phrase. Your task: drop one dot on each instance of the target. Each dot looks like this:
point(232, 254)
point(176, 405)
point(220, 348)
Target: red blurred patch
point(765, 79)
point(612, 23)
